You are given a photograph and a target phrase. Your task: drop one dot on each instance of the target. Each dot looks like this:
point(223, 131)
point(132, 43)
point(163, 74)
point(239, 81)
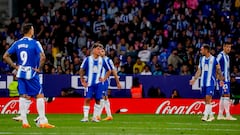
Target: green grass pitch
point(125, 124)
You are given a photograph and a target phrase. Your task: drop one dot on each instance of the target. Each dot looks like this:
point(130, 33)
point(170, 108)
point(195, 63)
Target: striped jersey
point(110, 64)
point(208, 70)
point(93, 69)
point(224, 61)
point(28, 56)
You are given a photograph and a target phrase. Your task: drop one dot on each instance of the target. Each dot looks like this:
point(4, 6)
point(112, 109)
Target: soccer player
point(224, 103)
point(30, 60)
point(105, 103)
point(92, 67)
point(209, 70)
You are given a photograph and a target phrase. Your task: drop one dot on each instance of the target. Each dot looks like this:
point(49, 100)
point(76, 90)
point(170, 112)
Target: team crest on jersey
point(95, 69)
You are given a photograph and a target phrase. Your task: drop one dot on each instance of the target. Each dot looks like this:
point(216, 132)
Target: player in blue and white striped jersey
point(92, 67)
point(209, 71)
point(224, 103)
point(105, 103)
point(30, 60)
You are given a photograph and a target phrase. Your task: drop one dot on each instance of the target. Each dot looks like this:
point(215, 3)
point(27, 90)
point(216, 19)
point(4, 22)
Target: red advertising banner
point(120, 105)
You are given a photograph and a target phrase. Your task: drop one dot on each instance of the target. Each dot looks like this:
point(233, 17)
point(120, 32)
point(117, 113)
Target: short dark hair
point(206, 47)
point(95, 45)
point(227, 43)
point(26, 28)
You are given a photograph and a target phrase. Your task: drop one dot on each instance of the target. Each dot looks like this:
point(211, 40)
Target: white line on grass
point(157, 128)
point(6, 133)
point(205, 124)
point(32, 133)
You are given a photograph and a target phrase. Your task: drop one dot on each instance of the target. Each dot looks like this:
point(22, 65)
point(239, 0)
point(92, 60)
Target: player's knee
point(40, 96)
point(25, 96)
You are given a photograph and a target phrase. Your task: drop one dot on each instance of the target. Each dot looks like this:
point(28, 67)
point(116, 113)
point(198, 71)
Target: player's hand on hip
point(37, 70)
point(101, 79)
point(191, 82)
point(84, 84)
point(221, 83)
point(119, 86)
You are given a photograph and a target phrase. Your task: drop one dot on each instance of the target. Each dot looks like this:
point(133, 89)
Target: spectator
point(13, 86)
point(193, 4)
point(128, 66)
point(175, 60)
point(235, 89)
point(161, 25)
point(155, 93)
point(158, 70)
point(122, 47)
point(126, 17)
point(163, 59)
point(117, 63)
point(144, 54)
point(136, 90)
point(175, 94)
point(170, 70)
point(112, 10)
point(138, 66)
point(145, 24)
point(235, 71)
point(146, 71)
point(122, 71)
point(110, 45)
point(185, 70)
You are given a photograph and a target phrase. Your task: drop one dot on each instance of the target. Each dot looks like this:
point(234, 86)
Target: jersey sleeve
point(84, 63)
point(106, 66)
point(111, 65)
point(39, 47)
point(216, 61)
point(199, 64)
point(12, 49)
point(219, 57)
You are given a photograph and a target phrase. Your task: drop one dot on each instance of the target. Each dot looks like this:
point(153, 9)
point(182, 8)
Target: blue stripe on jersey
point(28, 53)
point(110, 65)
point(93, 69)
point(224, 61)
point(208, 71)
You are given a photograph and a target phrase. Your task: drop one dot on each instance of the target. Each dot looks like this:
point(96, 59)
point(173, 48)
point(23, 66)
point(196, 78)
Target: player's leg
point(209, 94)
point(96, 110)
point(107, 108)
point(98, 96)
point(86, 105)
point(221, 109)
point(23, 100)
point(35, 89)
point(102, 101)
point(101, 108)
point(205, 113)
point(27, 105)
point(221, 105)
point(102, 105)
point(227, 102)
point(107, 103)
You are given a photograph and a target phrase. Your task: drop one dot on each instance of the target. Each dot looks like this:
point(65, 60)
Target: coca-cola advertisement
point(120, 105)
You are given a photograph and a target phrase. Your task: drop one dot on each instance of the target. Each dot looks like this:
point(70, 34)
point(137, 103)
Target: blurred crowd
point(148, 37)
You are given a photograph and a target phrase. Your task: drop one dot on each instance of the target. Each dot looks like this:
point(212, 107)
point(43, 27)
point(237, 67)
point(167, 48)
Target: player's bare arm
point(82, 79)
point(42, 62)
point(108, 73)
point(219, 75)
point(9, 61)
point(197, 75)
point(114, 72)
